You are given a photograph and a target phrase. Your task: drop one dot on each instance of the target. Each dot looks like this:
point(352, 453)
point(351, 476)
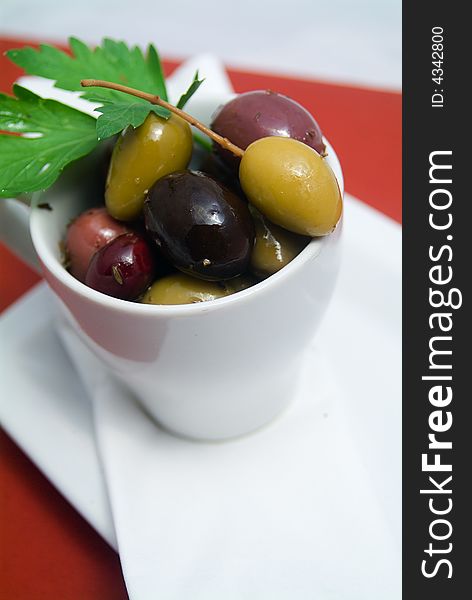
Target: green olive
point(291, 185)
point(140, 157)
point(274, 247)
point(238, 283)
point(183, 289)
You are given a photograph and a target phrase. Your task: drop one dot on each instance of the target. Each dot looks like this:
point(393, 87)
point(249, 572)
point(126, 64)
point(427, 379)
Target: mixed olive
point(291, 185)
point(264, 113)
point(274, 246)
point(170, 235)
point(86, 234)
point(141, 157)
point(202, 228)
point(124, 268)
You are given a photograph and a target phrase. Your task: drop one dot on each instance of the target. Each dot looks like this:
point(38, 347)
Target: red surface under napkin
point(47, 551)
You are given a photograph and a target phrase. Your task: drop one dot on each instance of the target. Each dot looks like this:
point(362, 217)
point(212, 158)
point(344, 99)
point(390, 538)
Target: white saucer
point(45, 409)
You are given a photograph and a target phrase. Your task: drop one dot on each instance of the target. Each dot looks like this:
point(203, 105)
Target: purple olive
point(124, 268)
point(200, 226)
point(86, 234)
point(264, 113)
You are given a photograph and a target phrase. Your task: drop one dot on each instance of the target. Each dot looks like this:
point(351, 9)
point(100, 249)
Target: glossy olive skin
point(182, 289)
point(274, 247)
point(86, 234)
point(200, 226)
point(124, 268)
point(291, 185)
point(140, 157)
point(263, 113)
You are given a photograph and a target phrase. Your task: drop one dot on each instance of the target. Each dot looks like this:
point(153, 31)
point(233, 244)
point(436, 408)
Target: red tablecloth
point(47, 551)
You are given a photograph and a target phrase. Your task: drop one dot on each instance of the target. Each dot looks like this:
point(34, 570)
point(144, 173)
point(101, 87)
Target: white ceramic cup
point(212, 370)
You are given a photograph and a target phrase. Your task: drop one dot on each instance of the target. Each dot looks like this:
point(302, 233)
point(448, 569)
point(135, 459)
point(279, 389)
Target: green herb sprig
point(51, 135)
point(38, 138)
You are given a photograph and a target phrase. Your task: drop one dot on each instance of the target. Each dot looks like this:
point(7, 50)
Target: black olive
point(201, 227)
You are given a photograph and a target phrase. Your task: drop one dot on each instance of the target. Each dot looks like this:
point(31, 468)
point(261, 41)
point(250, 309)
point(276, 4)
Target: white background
point(357, 41)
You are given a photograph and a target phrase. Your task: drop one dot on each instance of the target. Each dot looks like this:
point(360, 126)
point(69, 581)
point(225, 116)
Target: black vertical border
point(426, 129)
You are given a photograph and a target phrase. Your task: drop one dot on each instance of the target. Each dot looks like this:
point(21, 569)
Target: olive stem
point(222, 141)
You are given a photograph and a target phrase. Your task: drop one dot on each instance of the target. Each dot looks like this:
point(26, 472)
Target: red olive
point(124, 268)
point(263, 113)
point(89, 232)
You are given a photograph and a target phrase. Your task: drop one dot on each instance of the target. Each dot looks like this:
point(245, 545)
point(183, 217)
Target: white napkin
point(282, 514)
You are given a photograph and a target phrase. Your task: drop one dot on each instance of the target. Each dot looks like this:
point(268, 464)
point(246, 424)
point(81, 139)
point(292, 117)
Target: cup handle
point(15, 232)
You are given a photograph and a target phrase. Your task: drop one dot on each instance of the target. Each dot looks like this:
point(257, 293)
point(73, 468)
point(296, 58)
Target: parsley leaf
point(114, 114)
point(196, 83)
point(51, 135)
point(112, 61)
point(47, 135)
